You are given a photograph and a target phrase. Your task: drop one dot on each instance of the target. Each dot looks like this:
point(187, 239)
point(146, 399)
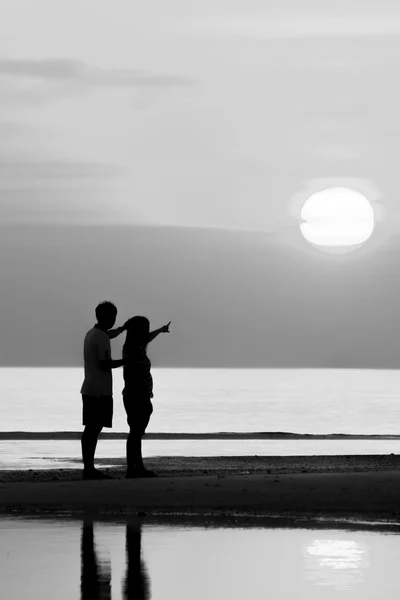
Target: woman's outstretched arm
point(156, 332)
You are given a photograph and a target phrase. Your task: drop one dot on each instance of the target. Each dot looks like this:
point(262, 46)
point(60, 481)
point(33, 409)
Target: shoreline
point(217, 519)
point(360, 488)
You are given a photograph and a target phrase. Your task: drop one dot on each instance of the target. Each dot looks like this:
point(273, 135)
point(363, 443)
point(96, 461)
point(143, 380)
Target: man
point(97, 386)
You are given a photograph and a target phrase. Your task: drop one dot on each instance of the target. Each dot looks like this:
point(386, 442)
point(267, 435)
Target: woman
point(138, 390)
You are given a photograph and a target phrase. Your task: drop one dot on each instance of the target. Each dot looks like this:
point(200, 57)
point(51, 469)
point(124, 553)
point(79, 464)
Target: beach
point(357, 487)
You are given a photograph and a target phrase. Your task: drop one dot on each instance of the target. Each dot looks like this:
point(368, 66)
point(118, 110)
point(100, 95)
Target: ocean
point(242, 401)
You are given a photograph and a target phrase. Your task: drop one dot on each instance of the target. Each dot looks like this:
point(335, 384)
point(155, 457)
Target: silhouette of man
point(96, 389)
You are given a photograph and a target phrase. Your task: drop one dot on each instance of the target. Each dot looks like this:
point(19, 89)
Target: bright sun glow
point(337, 217)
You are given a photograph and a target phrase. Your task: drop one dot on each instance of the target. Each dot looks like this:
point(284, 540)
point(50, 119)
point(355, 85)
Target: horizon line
point(260, 435)
point(225, 368)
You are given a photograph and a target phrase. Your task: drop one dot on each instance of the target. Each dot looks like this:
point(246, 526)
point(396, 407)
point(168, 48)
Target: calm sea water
point(129, 560)
point(190, 400)
point(204, 400)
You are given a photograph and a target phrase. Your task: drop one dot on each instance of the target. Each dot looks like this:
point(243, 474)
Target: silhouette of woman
point(137, 582)
point(138, 390)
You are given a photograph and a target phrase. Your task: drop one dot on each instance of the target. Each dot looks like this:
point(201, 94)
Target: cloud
point(22, 172)
point(42, 190)
point(87, 203)
point(79, 72)
point(10, 129)
point(265, 26)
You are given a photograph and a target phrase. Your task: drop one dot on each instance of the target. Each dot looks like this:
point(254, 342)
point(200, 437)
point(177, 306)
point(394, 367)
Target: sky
point(158, 155)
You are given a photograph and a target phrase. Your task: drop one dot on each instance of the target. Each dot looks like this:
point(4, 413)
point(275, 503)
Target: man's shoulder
point(95, 334)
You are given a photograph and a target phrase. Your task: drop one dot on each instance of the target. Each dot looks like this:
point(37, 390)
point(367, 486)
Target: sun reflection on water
point(338, 563)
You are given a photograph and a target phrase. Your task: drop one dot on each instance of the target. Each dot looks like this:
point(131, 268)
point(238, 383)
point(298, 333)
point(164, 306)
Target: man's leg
point(89, 439)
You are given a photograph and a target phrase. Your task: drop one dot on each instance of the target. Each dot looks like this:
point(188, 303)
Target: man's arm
point(113, 333)
point(156, 332)
point(108, 364)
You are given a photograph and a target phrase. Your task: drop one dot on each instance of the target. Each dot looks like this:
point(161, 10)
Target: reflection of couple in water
point(97, 387)
point(96, 575)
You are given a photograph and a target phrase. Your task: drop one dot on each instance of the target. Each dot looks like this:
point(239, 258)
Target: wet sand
point(360, 487)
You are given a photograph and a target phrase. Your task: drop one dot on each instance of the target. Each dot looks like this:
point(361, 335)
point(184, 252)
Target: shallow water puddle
point(86, 559)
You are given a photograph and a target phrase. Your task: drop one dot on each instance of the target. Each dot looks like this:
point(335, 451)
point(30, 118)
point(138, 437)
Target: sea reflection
point(340, 563)
point(137, 581)
point(105, 558)
point(96, 573)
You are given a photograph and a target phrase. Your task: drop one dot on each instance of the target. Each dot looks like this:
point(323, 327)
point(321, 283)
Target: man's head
point(106, 314)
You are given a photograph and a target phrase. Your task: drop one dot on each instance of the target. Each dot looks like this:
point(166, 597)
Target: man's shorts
point(138, 412)
point(97, 410)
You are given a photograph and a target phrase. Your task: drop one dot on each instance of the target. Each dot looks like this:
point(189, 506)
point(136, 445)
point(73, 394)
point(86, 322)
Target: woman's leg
point(130, 452)
point(139, 457)
point(134, 459)
point(145, 419)
point(137, 421)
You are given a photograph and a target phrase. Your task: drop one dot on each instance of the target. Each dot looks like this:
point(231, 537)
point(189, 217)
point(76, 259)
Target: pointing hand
point(165, 328)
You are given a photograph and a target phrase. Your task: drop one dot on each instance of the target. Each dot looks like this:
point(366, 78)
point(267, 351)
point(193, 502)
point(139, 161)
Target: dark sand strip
point(219, 487)
point(189, 466)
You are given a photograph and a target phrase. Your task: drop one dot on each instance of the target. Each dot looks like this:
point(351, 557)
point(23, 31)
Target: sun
point(337, 218)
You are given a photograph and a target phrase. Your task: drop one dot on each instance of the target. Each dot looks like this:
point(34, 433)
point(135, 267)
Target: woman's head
point(137, 333)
